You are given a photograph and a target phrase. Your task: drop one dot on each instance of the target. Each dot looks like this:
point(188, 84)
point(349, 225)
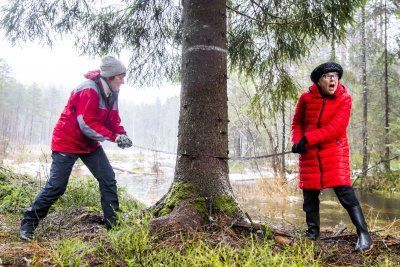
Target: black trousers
point(345, 194)
point(61, 167)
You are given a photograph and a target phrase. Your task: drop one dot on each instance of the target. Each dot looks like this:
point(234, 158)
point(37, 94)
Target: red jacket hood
point(92, 74)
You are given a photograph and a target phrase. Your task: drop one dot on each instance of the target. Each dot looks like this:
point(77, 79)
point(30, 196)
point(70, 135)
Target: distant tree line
point(260, 113)
point(29, 113)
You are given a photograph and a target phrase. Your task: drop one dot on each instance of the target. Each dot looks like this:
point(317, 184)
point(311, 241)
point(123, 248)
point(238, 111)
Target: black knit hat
point(325, 68)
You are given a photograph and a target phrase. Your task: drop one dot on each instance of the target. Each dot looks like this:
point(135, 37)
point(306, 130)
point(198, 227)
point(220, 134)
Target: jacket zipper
point(318, 157)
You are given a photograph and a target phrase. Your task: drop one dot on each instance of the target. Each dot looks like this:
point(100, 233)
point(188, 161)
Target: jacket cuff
point(113, 137)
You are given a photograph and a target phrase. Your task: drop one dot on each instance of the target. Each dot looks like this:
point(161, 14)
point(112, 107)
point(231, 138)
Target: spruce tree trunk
point(201, 187)
point(203, 123)
point(364, 99)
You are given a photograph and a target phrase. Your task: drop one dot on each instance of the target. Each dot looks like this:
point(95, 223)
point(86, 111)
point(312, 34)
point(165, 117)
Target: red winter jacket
point(87, 118)
point(323, 121)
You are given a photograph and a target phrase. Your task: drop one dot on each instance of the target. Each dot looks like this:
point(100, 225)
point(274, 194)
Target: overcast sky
point(62, 66)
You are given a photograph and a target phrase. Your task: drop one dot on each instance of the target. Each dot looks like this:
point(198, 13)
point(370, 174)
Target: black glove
point(300, 147)
point(123, 141)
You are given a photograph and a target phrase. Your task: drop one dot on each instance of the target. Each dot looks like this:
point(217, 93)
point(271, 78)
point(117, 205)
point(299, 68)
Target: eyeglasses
point(329, 76)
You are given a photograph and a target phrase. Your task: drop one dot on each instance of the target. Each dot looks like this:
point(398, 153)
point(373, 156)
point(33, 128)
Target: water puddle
point(279, 208)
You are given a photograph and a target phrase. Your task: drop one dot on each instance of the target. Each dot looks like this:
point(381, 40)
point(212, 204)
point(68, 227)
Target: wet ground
point(150, 175)
point(265, 202)
point(264, 199)
point(86, 225)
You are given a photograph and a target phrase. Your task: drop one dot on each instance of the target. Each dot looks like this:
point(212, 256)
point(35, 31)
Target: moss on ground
point(16, 191)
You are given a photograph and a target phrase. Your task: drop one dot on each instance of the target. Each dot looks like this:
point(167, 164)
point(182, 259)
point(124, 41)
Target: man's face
point(116, 83)
point(329, 82)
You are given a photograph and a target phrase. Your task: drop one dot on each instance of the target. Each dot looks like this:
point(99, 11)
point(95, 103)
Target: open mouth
point(332, 85)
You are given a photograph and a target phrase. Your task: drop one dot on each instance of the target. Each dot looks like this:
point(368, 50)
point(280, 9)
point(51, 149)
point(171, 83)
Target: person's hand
point(123, 141)
point(300, 146)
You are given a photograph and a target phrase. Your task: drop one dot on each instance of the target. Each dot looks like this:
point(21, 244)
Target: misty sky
point(64, 67)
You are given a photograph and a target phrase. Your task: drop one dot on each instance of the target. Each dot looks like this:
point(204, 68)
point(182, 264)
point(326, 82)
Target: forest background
point(260, 112)
point(259, 120)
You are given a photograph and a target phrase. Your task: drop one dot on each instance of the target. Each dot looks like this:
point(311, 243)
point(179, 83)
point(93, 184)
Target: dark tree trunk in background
point(333, 50)
point(333, 36)
point(31, 130)
point(386, 94)
point(364, 99)
point(203, 122)
point(274, 159)
point(283, 172)
point(17, 115)
point(238, 145)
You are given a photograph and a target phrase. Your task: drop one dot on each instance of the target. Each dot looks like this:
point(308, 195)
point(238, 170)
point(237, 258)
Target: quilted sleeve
point(298, 120)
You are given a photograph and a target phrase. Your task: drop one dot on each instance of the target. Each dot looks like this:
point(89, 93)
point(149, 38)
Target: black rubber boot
point(26, 232)
point(312, 219)
point(364, 241)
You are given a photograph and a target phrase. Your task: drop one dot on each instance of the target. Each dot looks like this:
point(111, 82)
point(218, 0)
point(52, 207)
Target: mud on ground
point(339, 251)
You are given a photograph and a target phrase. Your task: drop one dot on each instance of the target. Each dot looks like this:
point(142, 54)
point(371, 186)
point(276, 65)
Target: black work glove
point(300, 146)
point(123, 141)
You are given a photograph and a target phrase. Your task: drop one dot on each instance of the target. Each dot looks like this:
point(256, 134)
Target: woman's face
point(329, 83)
point(116, 83)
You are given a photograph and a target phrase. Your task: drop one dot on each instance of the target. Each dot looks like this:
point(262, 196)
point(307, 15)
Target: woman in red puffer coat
point(319, 136)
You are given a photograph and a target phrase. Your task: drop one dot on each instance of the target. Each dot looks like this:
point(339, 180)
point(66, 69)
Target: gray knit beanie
point(110, 66)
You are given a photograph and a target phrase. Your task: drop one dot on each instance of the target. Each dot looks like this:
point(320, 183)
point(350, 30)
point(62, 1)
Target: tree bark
point(203, 122)
point(333, 41)
point(386, 94)
point(283, 169)
point(238, 145)
point(201, 172)
point(364, 99)
point(274, 163)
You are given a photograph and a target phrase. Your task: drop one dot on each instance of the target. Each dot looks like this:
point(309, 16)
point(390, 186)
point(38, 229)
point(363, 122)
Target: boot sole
point(26, 239)
point(363, 250)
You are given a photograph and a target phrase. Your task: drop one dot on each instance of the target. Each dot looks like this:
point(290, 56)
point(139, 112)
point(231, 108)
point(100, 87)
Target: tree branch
point(243, 14)
point(264, 10)
point(269, 23)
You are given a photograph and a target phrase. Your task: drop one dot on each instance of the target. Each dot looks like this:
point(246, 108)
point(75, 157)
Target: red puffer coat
point(323, 121)
point(88, 117)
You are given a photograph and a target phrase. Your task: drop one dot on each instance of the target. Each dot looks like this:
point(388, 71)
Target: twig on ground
point(339, 232)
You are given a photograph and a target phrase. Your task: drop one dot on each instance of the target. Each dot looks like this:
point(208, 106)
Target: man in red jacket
point(90, 117)
point(319, 136)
